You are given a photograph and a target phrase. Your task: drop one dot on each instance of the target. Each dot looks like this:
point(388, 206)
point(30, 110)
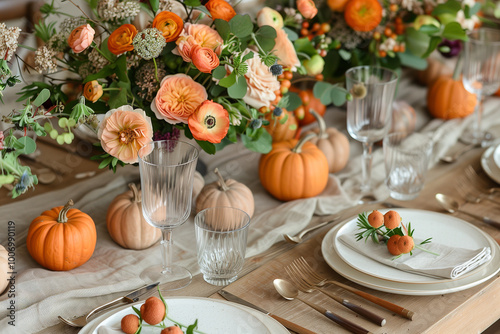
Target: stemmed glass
point(369, 113)
point(481, 75)
point(167, 171)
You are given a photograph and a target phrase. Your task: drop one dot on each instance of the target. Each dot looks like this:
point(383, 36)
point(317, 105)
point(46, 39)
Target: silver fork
point(319, 281)
point(475, 179)
point(301, 282)
point(471, 194)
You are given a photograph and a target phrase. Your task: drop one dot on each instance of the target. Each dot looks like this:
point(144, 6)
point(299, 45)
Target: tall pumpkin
point(62, 238)
point(226, 193)
point(4, 268)
point(294, 169)
point(282, 127)
point(126, 224)
point(333, 143)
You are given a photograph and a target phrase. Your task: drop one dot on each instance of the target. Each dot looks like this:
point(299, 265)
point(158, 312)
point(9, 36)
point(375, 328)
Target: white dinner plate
point(426, 225)
point(214, 316)
point(478, 276)
point(489, 165)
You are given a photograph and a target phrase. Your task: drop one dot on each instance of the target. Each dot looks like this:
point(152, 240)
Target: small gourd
point(62, 238)
point(226, 193)
point(333, 143)
point(280, 128)
point(4, 268)
point(126, 224)
point(294, 169)
point(404, 117)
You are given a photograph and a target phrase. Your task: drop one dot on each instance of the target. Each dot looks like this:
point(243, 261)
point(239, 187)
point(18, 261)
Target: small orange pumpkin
point(279, 131)
point(332, 143)
point(309, 102)
point(126, 224)
point(447, 99)
point(226, 193)
point(62, 238)
point(4, 268)
point(294, 169)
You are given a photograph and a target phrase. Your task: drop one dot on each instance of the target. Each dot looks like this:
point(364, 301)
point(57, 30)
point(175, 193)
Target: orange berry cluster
point(392, 31)
point(317, 29)
point(285, 84)
point(397, 244)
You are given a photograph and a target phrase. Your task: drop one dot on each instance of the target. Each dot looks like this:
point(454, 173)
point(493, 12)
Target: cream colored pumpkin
point(226, 193)
point(332, 143)
point(126, 224)
point(198, 184)
point(4, 268)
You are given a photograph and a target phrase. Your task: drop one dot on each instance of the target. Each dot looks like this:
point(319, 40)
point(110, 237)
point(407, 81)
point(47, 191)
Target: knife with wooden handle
point(288, 324)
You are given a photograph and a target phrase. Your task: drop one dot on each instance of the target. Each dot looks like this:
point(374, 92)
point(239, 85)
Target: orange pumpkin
point(435, 69)
point(61, 238)
point(294, 169)
point(497, 93)
point(309, 102)
point(447, 99)
point(332, 143)
point(126, 224)
point(279, 131)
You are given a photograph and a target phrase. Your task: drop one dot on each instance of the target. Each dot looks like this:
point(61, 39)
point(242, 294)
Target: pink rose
point(307, 8)
point(261, 84)
point(178, 97)
point(204, 59)
point(81, 38)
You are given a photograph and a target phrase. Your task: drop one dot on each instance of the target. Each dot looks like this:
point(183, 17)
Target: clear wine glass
point(481, 75)
point(369, 113)
point(167, 171)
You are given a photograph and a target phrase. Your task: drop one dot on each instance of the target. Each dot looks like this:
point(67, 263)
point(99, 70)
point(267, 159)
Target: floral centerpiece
point(153, 68)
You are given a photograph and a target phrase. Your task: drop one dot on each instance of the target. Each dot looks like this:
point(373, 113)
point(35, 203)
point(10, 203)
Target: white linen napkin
point(452, 262)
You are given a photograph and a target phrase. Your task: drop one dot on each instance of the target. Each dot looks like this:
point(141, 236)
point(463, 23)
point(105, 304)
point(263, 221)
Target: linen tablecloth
point(42, 295)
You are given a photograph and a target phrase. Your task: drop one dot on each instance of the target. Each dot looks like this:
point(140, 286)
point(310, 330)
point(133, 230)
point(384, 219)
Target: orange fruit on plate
point(392, 245)
point(392, 219)
point(363, 15)
point(376, 219)
point(130, 324)
point(153, 310)
point(172, 330)
point(406, 244)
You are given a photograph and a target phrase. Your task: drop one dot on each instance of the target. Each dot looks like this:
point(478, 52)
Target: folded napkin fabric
point(452, 262)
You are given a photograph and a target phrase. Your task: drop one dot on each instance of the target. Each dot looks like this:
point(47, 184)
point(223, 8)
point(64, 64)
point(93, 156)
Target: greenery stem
point(156, 70)
point(102, 53)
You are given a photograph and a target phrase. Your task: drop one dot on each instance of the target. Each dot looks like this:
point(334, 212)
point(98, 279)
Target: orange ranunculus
point(307, 8)
point(220, 9)
point(92, 90)
point(170, 25)
point(204, 59)
point(81, 37)
point(197, 34)
point(124, 131)
point(178, 97)
point(120, 40)
point(363, 15)
point(210, 122)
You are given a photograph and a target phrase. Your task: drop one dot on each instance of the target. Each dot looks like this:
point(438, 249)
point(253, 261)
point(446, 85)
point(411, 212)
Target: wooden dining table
point(473, 310)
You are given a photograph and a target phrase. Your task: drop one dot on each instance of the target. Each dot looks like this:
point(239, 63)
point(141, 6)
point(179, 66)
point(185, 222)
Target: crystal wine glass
point(167, 171)
point(369, 113)
point(481, 75)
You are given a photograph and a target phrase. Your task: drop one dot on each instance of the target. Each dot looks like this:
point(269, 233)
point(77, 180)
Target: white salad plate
point(442, 228)
point(214, 316)
point(489, 165)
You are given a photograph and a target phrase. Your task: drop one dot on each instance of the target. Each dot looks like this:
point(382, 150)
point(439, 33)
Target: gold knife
point(288, 324)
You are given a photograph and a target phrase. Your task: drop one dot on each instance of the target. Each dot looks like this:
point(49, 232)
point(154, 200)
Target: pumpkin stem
point(458, 68)
point(136, 197)
point(222, 183)
point(321, 123)
point(302, 141)
point(62, 214)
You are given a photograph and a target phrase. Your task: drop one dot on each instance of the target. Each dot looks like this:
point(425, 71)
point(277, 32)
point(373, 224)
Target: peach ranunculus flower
point(170, 25)
point(197, 34)
point(81, 37)
point(261, 83)
point(210, 122)
point(307, 8)
point(124, 131)
point(269, 17)
point(285, 51)
point(178, 97)
point(92, 90)
point(204, 59)
point(120, 40)
point(220, 9)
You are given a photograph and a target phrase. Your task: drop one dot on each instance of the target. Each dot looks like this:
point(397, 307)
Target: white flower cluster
point(97, 60)
point(8, 41)
point(44, 60)
point(116, 10)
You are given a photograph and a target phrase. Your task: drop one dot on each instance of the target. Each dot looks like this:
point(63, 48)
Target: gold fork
point(302, 283)
point(319, 281)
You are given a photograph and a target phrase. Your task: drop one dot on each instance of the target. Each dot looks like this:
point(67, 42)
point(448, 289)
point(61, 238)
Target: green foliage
point(45, 31)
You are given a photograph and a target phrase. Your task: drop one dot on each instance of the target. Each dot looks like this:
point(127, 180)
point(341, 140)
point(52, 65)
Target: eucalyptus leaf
point(453, 31)
point(410, 60)
point(292, 35)
point(239, 89)
point(260, 142)
point(223, 28)
point(241, 25)
point(294, 101)
point(228, 81)
point(266, 32)
point(338, 95)
point(219, 73)
point(321, 90)
point(29, 145)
